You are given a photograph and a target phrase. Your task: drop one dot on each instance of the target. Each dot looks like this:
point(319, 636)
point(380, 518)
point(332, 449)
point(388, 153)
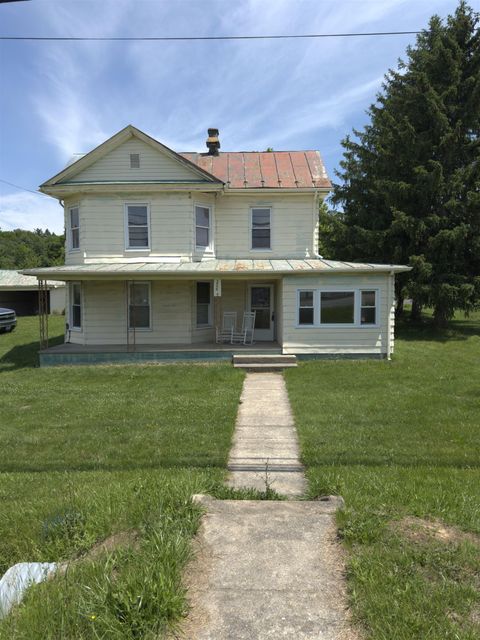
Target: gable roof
point(115, 141)
point(265, 169)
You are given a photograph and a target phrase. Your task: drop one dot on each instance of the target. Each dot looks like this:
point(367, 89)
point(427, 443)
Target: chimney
point(213, 142)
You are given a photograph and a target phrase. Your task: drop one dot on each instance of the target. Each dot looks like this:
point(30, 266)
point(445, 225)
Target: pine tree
point(410, 190)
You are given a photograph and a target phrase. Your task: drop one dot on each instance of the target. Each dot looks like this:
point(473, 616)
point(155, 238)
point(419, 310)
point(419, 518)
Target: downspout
point(390, 304)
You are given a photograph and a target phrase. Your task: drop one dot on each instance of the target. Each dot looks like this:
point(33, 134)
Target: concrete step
point(261, 362)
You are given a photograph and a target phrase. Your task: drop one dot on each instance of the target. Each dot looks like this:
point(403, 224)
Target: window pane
point(337, 307)
point(203, 292)
point(139, 317)
point(137, 215)
point(134, 161)
point(75, 238)
point(260, 238)
point(139, 294)
point(202, 216)
point(368, 298)
point(368, 315)
point(260, 217)
point(76, 297)
point(306, 298)
point(202, 313)
point(202, 237)
point(260, 297)
point(76, 316)
point(138, 237)
point(305, 316)
point(74, 218)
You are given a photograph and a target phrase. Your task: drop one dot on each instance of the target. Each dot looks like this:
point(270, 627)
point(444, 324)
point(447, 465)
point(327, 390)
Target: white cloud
point(30, 211)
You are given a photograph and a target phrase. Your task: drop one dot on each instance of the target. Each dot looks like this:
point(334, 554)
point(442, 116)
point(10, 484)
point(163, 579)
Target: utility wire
point(192, 38)
point(37, 193)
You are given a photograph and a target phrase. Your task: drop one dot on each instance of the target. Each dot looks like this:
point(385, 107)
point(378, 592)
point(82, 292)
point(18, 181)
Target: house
point(159, 245)
point(20, 293)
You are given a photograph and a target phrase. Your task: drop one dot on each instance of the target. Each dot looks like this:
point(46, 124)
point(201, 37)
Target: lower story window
point(75, 306)
point(204, 311)
point(306, 311)
point(139, 305)
point(337, 307)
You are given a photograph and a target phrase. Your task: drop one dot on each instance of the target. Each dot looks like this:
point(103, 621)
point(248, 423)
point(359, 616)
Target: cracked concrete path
point(267, 570)
point(265, 446)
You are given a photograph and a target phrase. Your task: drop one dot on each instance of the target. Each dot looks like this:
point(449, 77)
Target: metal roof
point(265, 169)
point(15, 280)
point(213, 268)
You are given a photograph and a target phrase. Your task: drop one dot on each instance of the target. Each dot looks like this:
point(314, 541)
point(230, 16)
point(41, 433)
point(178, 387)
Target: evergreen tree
point(410, 190)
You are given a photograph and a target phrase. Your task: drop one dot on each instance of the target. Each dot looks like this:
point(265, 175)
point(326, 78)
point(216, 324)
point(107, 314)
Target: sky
point(61, 98)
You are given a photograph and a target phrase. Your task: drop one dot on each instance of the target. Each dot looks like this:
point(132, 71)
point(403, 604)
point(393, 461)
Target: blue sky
point(60, 98)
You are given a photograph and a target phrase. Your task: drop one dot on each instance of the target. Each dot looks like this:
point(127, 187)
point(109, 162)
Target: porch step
point(264, 362)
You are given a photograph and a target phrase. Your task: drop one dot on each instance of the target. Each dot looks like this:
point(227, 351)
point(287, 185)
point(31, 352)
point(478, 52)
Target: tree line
point(20, 249)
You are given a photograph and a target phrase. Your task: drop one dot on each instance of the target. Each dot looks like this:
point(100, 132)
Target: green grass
point(400, 439)
point(88, 452)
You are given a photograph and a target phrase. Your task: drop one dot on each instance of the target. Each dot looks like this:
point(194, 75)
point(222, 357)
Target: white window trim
point(250, 230)
point(211, 246)
point(70, 228)
point(317, 320)
point(210, 306)
point(142, 329)
point(127, 235)
point(70, 307)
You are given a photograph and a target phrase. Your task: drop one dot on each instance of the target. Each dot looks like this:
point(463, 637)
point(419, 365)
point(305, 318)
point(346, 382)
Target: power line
point(203, 38)
point(37, 193)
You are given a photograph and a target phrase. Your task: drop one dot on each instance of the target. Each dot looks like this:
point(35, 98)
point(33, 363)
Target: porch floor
point(68, 353)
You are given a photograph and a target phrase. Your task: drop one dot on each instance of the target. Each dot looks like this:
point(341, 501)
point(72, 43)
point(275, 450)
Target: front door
point(261, 301)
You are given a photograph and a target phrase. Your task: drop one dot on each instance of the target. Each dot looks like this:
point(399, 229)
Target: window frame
point(127, 226)
point(71, 228)
point(200, 248)
point(363, 306)
point(313, 292)
point(260, 249)
point(149, 285)
point(210, 305)
point(71, 326)
point(131, 155)
point(357, 324)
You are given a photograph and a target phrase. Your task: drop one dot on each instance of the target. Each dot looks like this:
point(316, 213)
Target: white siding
point(105, 313)
point(292, 230)
point(331, 340)
point(154, 165)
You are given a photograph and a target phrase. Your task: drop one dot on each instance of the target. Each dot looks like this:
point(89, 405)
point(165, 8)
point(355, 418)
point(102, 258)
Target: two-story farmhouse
point(162, 246)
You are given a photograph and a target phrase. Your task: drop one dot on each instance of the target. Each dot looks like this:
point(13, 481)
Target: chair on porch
point(245, 336)
point(228, 328)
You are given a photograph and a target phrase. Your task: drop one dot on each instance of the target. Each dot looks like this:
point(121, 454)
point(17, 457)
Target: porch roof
point(212, 267)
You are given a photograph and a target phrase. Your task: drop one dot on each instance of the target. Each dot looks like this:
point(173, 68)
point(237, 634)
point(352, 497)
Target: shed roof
point(265, 169)
point(213, 268)
point(14, 280)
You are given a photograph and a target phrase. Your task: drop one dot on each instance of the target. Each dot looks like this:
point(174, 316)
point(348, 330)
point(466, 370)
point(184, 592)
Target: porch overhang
point(209, 269)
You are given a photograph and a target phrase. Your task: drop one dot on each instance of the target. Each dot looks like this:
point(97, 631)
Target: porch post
point(43, 312)
point(217, 304)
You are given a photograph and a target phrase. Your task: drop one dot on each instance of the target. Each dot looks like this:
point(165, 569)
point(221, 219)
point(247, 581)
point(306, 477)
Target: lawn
point(400, 441)
point(88, 452)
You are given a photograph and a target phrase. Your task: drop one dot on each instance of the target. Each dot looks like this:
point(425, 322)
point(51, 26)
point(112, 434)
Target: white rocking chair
point(229, 325)
point(245, 336)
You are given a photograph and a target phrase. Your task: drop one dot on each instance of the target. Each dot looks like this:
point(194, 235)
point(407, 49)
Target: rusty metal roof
point(214, 268)
point(265, 169)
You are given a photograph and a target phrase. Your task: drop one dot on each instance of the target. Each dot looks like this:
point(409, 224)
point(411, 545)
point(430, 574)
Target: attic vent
point(134, 161)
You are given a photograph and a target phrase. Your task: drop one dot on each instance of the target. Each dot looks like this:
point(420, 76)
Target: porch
point(74, 354)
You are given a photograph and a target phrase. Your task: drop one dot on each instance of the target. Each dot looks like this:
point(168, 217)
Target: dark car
point(8, 320)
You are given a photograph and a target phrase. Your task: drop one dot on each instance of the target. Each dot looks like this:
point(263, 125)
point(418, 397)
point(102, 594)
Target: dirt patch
point(424, 531)
point(122, 539)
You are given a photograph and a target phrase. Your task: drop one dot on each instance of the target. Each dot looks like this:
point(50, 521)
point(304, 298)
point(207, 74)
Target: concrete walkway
point(267, 570)
point(265, 447)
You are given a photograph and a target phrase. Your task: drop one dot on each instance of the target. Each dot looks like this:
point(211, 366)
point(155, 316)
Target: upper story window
point(203, 223)
point(134, 161)
point(261, 227)
point(74, 223)
point(137, 226)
